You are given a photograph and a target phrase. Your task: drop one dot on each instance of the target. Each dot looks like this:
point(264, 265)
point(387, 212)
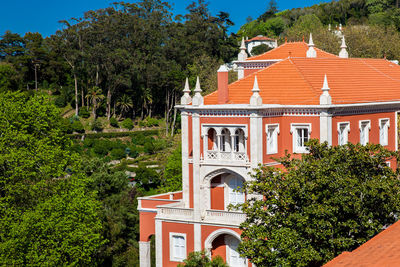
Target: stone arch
point(211, 237)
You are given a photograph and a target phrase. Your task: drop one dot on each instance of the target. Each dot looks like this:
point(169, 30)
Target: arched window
point(239, 145)
point(232, 252)
point(212, 139)
point(234, 196)
point(225, 140)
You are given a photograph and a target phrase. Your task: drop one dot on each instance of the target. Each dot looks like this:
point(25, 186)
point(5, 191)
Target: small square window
point(272, 131)
point(301, 135)
point(177, 246)
point(384, 132)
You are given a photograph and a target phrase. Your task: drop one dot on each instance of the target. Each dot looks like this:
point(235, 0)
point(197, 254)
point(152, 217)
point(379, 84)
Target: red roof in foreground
point(298, 81)
point(382, 250)
point(295, 49)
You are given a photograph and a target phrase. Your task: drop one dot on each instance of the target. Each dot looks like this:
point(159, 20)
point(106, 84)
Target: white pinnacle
point(242, 46)
point(343, 43)
point(325, 87)
point(255, 89)
point(186, 89)
point(310, 42)
point(325, 98)
point(343, 52)
point(197, 89)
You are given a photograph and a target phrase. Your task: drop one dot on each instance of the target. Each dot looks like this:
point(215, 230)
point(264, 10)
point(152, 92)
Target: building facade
point(295, 93)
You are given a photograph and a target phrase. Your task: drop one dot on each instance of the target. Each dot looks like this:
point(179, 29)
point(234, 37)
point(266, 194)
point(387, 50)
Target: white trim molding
point(172, 256)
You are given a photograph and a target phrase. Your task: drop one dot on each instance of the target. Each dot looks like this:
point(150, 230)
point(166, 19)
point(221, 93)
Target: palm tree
point(95, 97)
point(124, 103)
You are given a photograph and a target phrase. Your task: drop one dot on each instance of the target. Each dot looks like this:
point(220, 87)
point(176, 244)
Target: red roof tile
point(295, 49)
point(298, 81)
point(260, 38)
point(382, 250)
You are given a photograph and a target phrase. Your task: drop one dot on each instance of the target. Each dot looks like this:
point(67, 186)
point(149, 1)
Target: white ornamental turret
point(311, 50)
point(325, 98)
point(242, 56)
point(343, 52)
point(186, 99)
point(255, 99)
point(197, 98)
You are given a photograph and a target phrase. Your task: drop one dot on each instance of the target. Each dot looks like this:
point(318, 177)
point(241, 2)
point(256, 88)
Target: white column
point(325, 127)
point(185, 157)
point(233, 147)
point(144, 254)
point(205, 145)
point(159, 243)
point(196, 165)
point(197, 237)
point(256, 149)
point(240, 72)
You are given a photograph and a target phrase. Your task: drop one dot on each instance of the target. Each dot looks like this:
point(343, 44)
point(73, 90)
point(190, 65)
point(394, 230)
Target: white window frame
point(293, 130)
point(172, 256)
point(228, 242)
point(385, 140)
point(276, 131)
point(227, 191)
point(367, 129)
point(346, 131)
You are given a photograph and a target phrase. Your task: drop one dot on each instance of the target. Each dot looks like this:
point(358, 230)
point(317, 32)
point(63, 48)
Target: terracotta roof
point(298, 81)
point(295, 49)
point(382, 250)
point(260, 38)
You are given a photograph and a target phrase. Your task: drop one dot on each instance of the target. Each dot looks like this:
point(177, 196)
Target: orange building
point(283, 98)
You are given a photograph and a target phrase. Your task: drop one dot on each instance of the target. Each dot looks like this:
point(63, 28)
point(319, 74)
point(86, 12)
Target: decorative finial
point(242, 46)
point(197, 98)
point(186, 99)
point(242, 56)
point(325, 98)
point(343, 52)
point(311, 52)
point(255, 99)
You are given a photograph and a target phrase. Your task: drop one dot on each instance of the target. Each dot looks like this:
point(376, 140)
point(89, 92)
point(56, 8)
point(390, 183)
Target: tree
point(331, 200)
point(125, 103)
point(95, 96)
point(260, 49)
point(173, 171)
point(48, 216)
point(199, 258)
point(8, 77)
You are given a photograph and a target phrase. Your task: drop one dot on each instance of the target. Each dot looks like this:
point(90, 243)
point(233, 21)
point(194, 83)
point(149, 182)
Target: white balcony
point(225, 156)
point(174, 211)
point(224, 217)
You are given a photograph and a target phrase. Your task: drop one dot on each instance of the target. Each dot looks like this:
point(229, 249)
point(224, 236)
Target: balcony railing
point(174, 211)
point(226, 156)
point(226, 217)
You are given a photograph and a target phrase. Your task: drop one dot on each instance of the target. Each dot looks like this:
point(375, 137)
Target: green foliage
point(331, 200)
point(84, 112)
point(118, 153)
point(260, 49)
point(102, 147)
point(8, 77)
point(304, 25)
point(127, 124)
point(114, 122)
point(97, 126)
point(150, 146)
point(77, 126)
point(173, 171)
point(48, 216)
point(147, 177)
point(199, 258)
point(60, 101)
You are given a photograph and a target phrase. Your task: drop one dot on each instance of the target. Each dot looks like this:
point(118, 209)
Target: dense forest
point(124, 67)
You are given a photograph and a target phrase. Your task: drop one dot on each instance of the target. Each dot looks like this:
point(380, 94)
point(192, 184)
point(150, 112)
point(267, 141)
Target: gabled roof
point(298, 81)
point(295, 49)
point(382, 250)
point(259, 38)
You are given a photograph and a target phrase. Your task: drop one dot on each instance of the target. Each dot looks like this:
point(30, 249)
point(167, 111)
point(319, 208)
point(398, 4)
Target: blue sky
point(43, 15)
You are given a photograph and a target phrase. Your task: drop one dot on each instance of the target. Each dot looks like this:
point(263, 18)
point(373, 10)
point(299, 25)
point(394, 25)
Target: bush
point(118, 153)
point(139, 139)
point(134, 153)
point(114, 122)
point(97, 126)
point(101, 147)
point(84, 112)
point(60, 101)
point(120, 134)
point(66, 126)
point(150, 122)
point(149, 146)
point(77, 126)
point(127, 124)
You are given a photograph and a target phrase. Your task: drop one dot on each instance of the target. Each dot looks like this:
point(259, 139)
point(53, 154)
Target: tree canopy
point(331, 200)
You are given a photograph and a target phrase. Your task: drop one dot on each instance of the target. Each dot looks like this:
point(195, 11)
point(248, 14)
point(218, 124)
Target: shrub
point(88, 142)
point(97, 126)
point(101, 147)
point(142, 123)
point(84, 112)
point(149, 146)
point(77, 126)
point(139, 139)
point(66, 126)
point(118, 153)
point(127, 124)
point(150, 122)
point(114, 122)
point(134, 153)
point(60, 101)
point(120, 134)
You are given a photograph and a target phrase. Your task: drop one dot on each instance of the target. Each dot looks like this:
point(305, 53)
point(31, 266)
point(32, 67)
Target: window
point(343, 133)
point(234, 258)
point(272, 131)
point(239, 145)
point(364, 132)
point(225, 140)
point(301, 135)
point(235, 197)
point(383, 131)
point(177, 246)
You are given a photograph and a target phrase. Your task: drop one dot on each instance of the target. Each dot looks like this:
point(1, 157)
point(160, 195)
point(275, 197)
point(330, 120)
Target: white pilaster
point(325, 130)
point(240, 72)
point(144, 254)
point(185, 158)
point(158, 243)
point(197, 237)
point(255, 140)
point(196, 165)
